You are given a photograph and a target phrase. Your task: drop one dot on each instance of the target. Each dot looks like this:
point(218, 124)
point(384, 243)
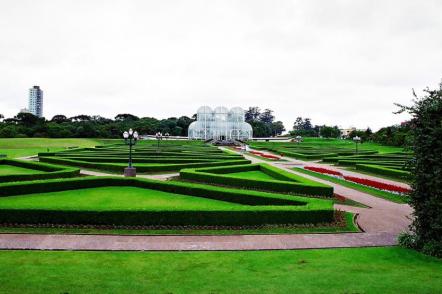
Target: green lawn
point(111, 198)
point(32, 146)
point(15, 170)
point(358, 270)
point(372, 191)
point(254, 175)
point(322, 142)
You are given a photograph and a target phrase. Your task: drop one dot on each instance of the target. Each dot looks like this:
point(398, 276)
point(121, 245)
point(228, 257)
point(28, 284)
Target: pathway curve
point(382, 222)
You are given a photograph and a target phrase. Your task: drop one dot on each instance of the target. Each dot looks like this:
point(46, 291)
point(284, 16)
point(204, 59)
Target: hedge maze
point(74, 201)
point(393, 164)
point(217, 188)
point(171, 156)
point(12, 170)
point(389, 164)
point(257, 177)
point(307, 152)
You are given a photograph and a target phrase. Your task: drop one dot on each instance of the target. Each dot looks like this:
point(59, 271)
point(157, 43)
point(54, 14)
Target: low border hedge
point(48, 171)
point(141, 168)
point(260, 207)
point(286, 182)
point(383, 170)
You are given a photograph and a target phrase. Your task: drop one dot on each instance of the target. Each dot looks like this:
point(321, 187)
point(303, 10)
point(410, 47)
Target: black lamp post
point(159, 137)
point(130, 138)
point(357, 140)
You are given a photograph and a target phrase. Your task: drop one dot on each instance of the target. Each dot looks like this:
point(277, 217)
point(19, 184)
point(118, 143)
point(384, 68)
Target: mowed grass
point(111, 198)
point(323, 142)
point(16, 170)
point(355, 270)
point(253, 175)
point(21, 147)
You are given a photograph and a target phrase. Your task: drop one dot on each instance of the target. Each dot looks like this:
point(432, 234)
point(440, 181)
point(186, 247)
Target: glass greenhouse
point(220, 124)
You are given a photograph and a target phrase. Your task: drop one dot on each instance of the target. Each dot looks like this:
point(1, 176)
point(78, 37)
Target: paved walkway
point(382, 222)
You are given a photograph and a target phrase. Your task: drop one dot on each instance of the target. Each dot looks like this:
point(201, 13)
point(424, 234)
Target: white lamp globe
point(136, 135)
point(131, 132)
point(125, 135)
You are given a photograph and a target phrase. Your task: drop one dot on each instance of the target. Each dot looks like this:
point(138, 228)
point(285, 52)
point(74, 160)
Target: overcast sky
point(337, 62)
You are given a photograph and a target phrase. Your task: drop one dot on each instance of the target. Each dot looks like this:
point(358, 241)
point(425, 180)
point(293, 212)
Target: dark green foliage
point(426, 197)
point(284, 182)
point(259, 207)
point(397, 135)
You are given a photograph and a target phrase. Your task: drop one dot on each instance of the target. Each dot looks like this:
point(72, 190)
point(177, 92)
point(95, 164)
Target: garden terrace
point(146, 158)
point(12, 170)
point(307, 152)
point(129, 201)
point(258, 177)
point(388, 164)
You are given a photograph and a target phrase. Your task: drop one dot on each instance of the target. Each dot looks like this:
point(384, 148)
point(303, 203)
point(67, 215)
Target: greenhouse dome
point(220, 124)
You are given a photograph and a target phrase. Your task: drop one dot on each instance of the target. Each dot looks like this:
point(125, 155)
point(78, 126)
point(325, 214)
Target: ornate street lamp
point(357, 140)
point(166, 135)
point(159, 137)
point(130, 138)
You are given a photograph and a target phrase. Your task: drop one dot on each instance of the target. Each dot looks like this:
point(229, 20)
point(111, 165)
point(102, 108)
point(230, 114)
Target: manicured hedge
point(259, 207)
point(142, 168)
point(47, 171)
point(286, 183)
point(383, 170)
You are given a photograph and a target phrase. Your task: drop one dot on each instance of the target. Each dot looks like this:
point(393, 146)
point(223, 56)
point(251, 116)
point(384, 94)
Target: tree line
point(25, 125)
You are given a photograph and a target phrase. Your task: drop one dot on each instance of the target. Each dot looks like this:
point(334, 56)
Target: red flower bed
point(377, 185)
point(339, 197)
point(270, 156)
point(323, 170)
point(257, 153)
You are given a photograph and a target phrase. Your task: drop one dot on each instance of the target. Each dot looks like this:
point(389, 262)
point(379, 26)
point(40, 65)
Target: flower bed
point(269, 156)
point(377, 185)
point(323, 170)
point(362, 181)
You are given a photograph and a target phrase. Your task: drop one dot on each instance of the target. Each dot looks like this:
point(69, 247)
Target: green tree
point(426, 196)
point(330, 132)
point(277, 128)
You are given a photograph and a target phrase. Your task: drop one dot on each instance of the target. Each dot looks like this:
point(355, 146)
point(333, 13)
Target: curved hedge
point(46, 171)
point(256, 208)
point(285, 182)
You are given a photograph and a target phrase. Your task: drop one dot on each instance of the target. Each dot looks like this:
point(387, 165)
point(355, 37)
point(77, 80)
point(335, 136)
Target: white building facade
point(220, 124)
point(35, 105)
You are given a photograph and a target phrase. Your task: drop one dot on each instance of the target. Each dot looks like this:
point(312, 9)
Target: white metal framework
point(220, 124)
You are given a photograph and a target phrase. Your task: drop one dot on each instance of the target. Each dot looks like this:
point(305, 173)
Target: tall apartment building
point(36, 101)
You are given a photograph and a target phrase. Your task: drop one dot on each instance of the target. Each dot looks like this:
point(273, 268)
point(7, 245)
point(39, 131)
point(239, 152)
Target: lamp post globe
point(298, 139)
point(130, 138)
point(159, 137)
point(357, 140)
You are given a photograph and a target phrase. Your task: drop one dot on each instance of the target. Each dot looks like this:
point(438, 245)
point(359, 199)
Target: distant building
point(346, 132)
point(36, 101)
point(220, 124)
